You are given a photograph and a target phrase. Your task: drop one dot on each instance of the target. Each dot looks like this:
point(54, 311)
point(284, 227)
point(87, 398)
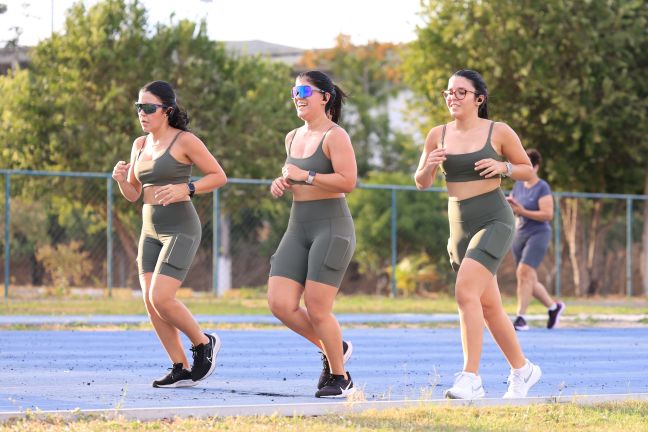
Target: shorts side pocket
point(337, 251)
point(179, 253)
point(496, 240)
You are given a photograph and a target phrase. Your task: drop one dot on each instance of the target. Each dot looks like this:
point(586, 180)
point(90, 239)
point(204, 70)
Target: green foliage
point(73, 109)
point(370, 76)
point(567, 75)
point(66, 265)
point(422, 223)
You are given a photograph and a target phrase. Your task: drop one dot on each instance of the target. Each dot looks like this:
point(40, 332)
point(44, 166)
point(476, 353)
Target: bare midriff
point(464, 190)
point(312, 193)
point(149, 195)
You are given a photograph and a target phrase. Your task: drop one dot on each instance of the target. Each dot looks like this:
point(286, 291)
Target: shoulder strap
point(326, 133)
point(443, 136)
point(291, 141)
point(174, 140)
point(490, 131)
point(141, 147)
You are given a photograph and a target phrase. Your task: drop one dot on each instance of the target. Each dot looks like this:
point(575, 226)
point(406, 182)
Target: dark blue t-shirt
point(528, 198)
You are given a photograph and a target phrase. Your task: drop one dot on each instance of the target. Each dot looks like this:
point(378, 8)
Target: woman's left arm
point(213, 175)
point(337, 146)
point(511, 148)
point(345, 171)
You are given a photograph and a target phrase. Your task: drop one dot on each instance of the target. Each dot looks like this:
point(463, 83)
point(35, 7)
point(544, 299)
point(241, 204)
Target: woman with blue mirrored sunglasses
point(319, 242)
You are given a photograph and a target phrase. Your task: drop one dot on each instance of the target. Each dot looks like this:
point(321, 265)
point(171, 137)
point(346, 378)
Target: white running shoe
point(466, 385)
point(520, 382)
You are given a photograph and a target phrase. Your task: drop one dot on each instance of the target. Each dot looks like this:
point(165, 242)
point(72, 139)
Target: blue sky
point(302, 24)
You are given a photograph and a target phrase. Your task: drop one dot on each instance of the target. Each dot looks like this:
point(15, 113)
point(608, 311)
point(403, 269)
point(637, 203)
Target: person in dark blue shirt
point(533, 205)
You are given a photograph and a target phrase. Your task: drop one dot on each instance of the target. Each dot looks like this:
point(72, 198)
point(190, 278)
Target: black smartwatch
point(192, 189)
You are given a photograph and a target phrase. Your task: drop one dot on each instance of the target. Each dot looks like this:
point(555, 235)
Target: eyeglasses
point(304, 91)
point(459, 93)
point(148, 108)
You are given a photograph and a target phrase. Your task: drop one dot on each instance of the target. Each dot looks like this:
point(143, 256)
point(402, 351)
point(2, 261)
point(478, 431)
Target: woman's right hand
point(279, 186)
point(435, 158)
point(120, 172)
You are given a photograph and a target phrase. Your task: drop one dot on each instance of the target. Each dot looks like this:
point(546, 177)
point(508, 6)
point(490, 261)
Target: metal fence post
point(109, 235)
point(215, 240)
point(629, 247)
point(557, 242)
point(394, 215)
point(7, 248)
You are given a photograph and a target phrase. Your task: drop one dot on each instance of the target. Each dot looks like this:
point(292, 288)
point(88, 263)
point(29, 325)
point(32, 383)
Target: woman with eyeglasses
point(471, 152)
point(317, 247)
point(160, 170)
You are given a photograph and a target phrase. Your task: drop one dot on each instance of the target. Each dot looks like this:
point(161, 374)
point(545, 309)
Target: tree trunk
point(574, 236)
point(644, 239)
point(593, 258)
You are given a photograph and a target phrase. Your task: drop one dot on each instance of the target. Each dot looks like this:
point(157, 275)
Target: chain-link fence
point(74, 231)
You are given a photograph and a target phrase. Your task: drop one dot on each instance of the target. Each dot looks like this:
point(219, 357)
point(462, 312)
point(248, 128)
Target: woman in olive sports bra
point(160, 170)
point(320, 239)
point(470, 152)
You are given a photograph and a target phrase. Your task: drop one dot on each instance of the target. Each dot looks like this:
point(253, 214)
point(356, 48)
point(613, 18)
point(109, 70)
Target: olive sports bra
point(162, 170)
point(461, 167)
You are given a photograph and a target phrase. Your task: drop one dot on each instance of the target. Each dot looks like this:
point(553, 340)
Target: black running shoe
point(336, 387)
point(347, 350)
point(178, 377)
point(520, 324)
point(204, 358)
point(554, 315)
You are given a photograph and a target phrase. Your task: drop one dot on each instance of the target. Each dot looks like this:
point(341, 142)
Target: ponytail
point(334, 105)
point(178, 118)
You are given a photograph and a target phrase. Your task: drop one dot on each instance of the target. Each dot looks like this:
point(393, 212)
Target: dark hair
point(323, 82)
point(480, 88)
point(534, 156)
point(178, 117)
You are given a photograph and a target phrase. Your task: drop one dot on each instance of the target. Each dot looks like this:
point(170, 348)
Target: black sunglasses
point(148, 108)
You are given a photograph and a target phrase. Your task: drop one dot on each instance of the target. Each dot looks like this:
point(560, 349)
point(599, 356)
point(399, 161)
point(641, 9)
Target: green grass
point(627, 417)
point(253, 302)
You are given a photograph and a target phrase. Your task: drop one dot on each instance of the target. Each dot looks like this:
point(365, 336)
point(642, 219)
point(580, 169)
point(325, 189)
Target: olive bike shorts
point(481, 228)
point(169, 240)
point(318, 243)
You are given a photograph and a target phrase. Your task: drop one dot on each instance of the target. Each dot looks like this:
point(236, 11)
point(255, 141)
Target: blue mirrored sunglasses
point(304, 91)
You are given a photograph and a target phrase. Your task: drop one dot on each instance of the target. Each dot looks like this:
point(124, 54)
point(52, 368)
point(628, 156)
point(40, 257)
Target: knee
point(317, 314)
point(525, 274)
point(159, 303)
point(280, 308)
point(466, 298)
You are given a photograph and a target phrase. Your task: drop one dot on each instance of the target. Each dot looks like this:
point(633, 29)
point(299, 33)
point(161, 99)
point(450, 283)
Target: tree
point(568, 76)
point(73, 109)
point(370, 76)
